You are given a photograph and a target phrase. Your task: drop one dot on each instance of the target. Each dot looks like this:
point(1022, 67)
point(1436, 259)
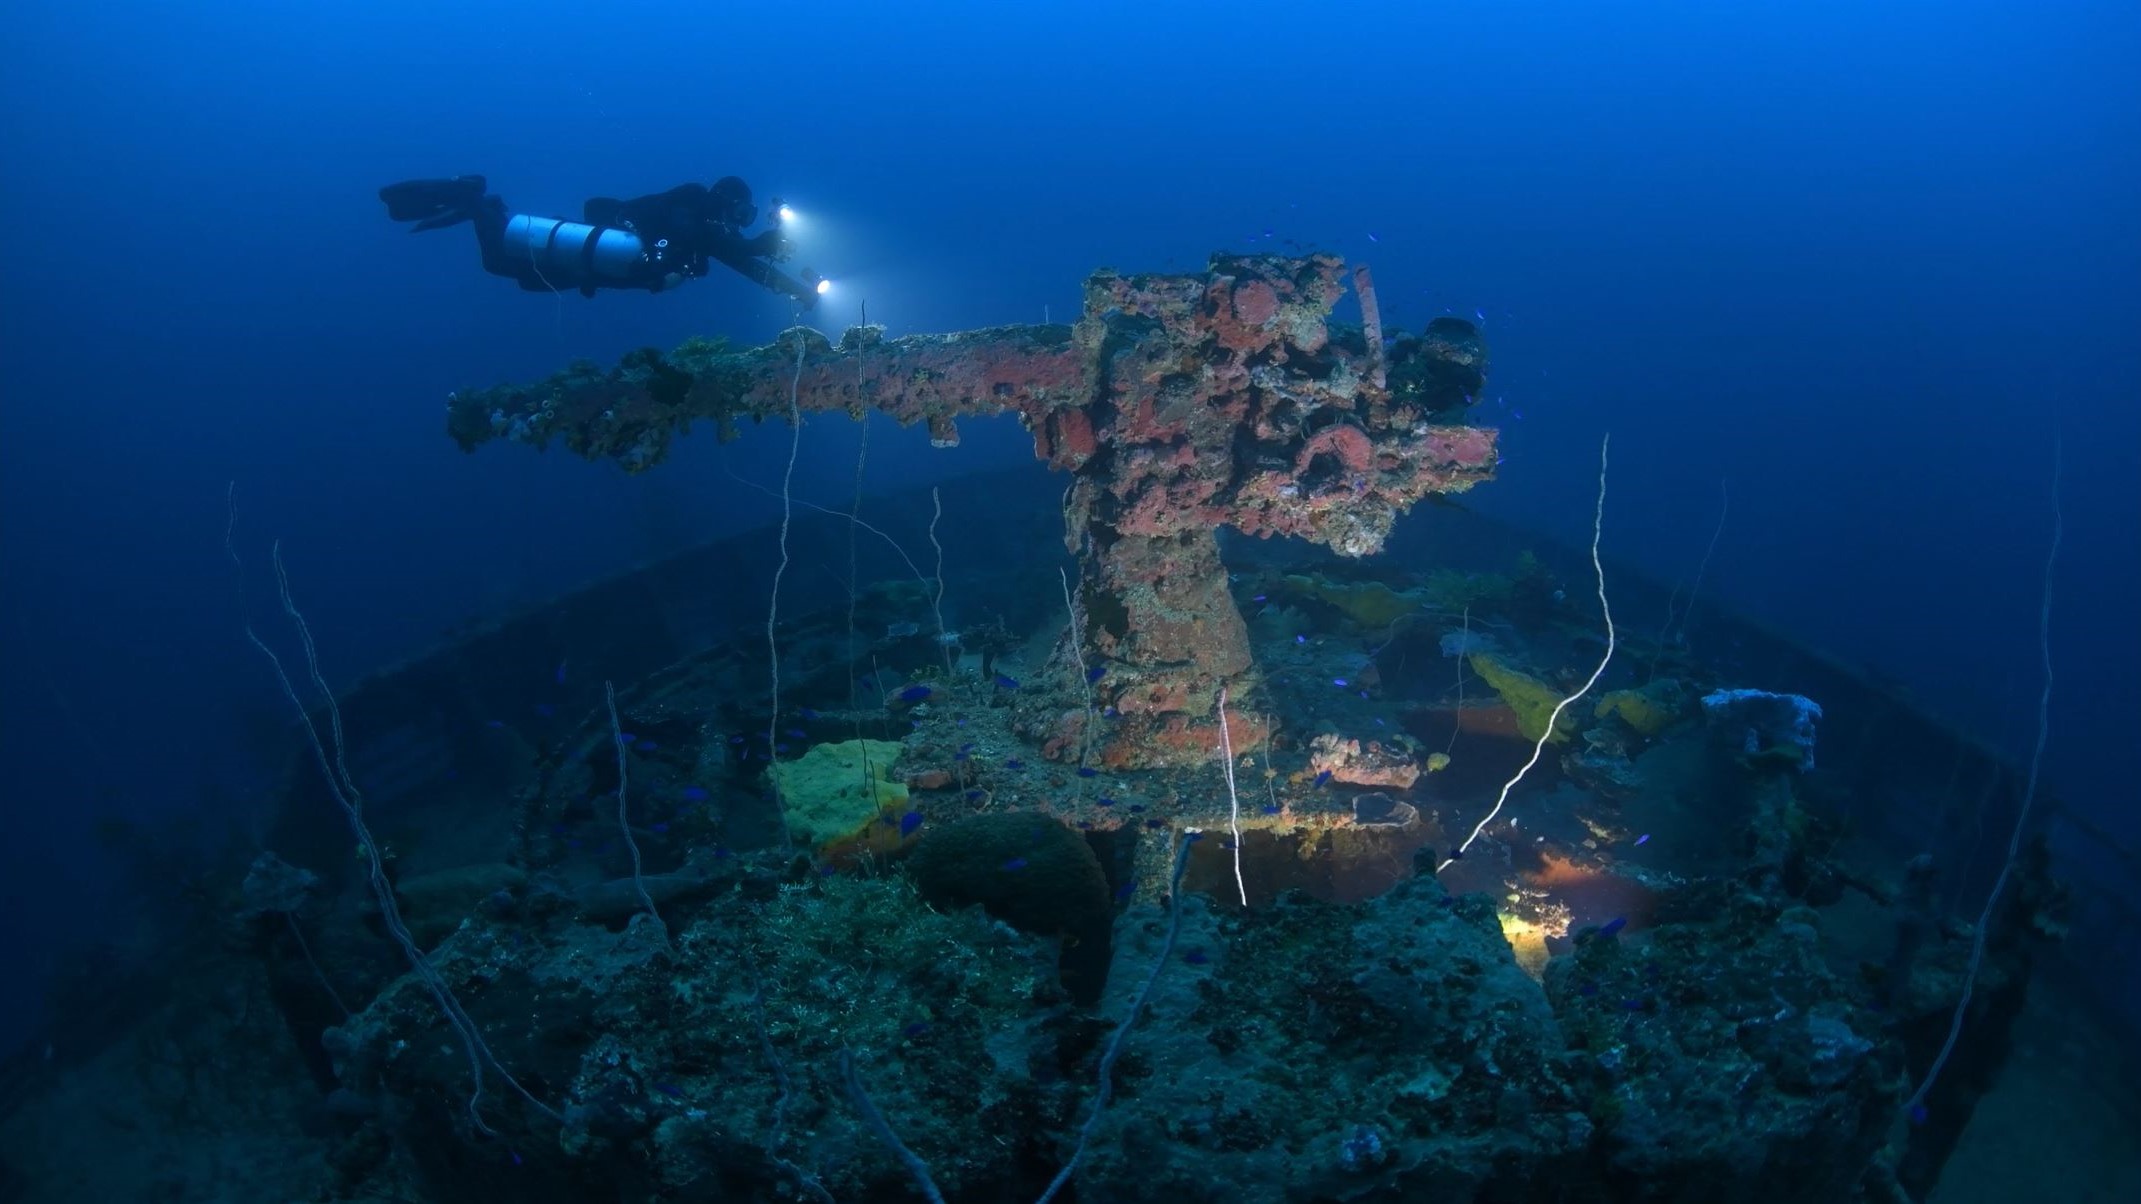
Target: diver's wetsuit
point(703, 222)
point(652, 242)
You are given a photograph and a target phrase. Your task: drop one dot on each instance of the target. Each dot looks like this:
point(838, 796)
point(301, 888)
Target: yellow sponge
point(836, 791)
point(1369, 603)
point(1532, 700)
point(1642, 711)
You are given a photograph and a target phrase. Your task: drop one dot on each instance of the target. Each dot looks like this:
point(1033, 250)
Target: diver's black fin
point(450, 218)
point(433, 204)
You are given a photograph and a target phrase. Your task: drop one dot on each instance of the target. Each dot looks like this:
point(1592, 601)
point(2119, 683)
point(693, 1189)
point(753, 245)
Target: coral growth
point(1372, 764)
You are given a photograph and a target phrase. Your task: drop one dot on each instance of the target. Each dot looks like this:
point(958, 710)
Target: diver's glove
point(768, 244)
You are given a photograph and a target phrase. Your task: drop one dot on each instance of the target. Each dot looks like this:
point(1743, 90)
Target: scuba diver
point(652, 242)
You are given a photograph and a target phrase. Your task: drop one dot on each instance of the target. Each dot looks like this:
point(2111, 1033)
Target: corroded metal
point(1179, 404)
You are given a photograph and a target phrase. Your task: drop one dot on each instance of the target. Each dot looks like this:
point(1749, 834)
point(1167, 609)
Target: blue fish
point(806, 713)
point(661, 829)
point(1105, 802)
point(628, 737)
point(1087, 771)
point(1323, 777)
point(1195, 957)
point(1613, 926)
point(1096, 673)
point(915, 1028)
point(1006, 683)
point(909, 822)
point(1124, 891)
point(1016, 863)
point(670, 1089)
point(559, 677)
point(1300, 639)
point(545, 709)
point(796, 733)
point(646, 746)
point(915, 693)
point(1642, 840)
point(1340, 682)
point(1014, 763)
point(694, 794)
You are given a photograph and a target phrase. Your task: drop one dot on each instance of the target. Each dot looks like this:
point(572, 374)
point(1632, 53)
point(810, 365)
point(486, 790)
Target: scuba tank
point(574, 254)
